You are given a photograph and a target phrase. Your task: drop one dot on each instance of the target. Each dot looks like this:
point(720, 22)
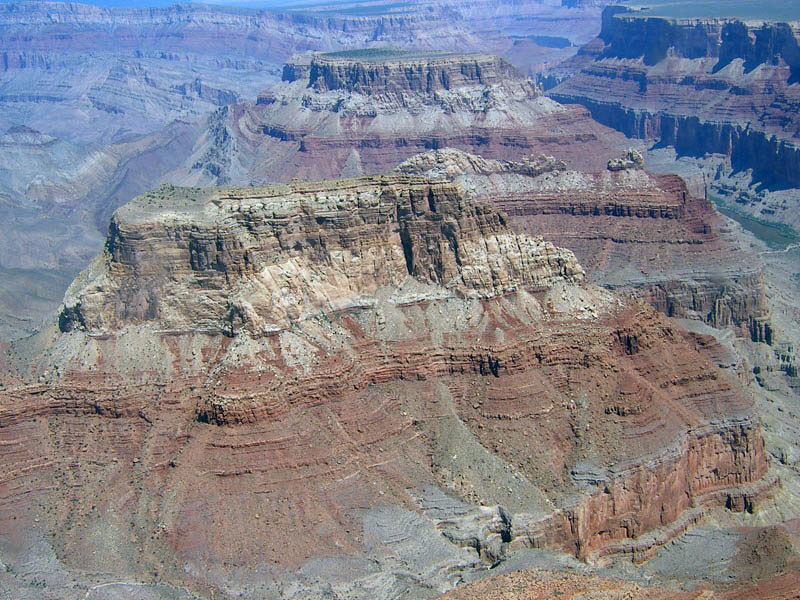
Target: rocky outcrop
point(398, 73)
point(288, 253)
point(337, 346)
point(450, 163)
point(329, 413)
point(720, 86)
point(632, 159)
point(632, 230)
point(615, 520)
point(363, 112)
point(110, 82)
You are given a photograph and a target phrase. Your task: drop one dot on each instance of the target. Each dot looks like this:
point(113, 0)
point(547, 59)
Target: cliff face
point(123, 69)
point(632, 230)
point(704, 87)
point(337, 354)
point(422, 76)
point(364, 112)
point(112, 83)
point(652, 39)
point(287, 253)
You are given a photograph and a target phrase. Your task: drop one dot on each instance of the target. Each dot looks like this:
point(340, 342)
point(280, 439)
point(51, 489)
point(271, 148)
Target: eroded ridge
point(262, 258)
point(391, 336)
point(653, 235)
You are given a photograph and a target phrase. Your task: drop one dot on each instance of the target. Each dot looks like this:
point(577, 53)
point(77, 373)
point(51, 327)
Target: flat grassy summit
point(386, 54)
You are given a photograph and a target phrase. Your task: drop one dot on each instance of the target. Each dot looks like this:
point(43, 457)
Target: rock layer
point(719, 86)
point(286, 253)
point(398, 73)
point(122, 90)
point(364, 112)
point(632, 230)
point(243, 362)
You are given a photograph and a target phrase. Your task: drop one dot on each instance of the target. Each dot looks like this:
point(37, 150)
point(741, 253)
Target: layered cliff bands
point(314, 355)
point(667, 431)
point(54, 56)
point(704, 87)
point(631, 230)
point(363, 112)
point(128, 26)
point(262, 258)
point(397, 370)
point(653, 39)
point(372, 82)
point(403, 74)
point(126, 90)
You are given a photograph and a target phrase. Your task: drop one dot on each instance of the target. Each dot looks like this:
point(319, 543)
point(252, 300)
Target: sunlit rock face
point(380, 356)
point(363, 112)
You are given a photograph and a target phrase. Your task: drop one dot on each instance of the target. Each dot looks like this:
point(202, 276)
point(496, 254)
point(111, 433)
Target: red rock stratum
point(249, 382)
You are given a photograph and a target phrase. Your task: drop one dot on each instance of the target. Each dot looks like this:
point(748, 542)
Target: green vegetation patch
point(746, 10)
point(348, 9)
point(384, 53)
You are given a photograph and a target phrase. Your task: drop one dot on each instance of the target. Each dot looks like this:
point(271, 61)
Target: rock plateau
point(363, 112)
point(703, 86)
point(380, 366)
point(121, 93)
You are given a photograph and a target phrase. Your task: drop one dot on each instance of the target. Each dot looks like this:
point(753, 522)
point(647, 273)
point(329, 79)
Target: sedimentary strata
point(264, 258)
point(703, 86)
point(243, 362)
point(362, 112)
point(632, 231)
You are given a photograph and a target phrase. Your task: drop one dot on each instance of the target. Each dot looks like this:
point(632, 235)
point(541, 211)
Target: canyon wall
point(426, 75)
point(320, 246)
point(302, 356)
point(718, 86)
point(135, 69)
point(127, 87)
point(633, 231)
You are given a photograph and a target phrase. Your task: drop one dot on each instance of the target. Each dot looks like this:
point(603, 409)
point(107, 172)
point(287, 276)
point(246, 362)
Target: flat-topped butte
point(388, 55)
point(365, 71)
point(210, 203)
point(259, 258)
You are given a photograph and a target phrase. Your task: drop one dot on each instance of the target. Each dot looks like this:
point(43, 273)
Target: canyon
point(85, 73)
point(704, 86)
point(360, 309)
point(319, 122)
point(655, 237)
point(712, 95)
point(379, 365)
point(115, 99)
point(56, 197)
